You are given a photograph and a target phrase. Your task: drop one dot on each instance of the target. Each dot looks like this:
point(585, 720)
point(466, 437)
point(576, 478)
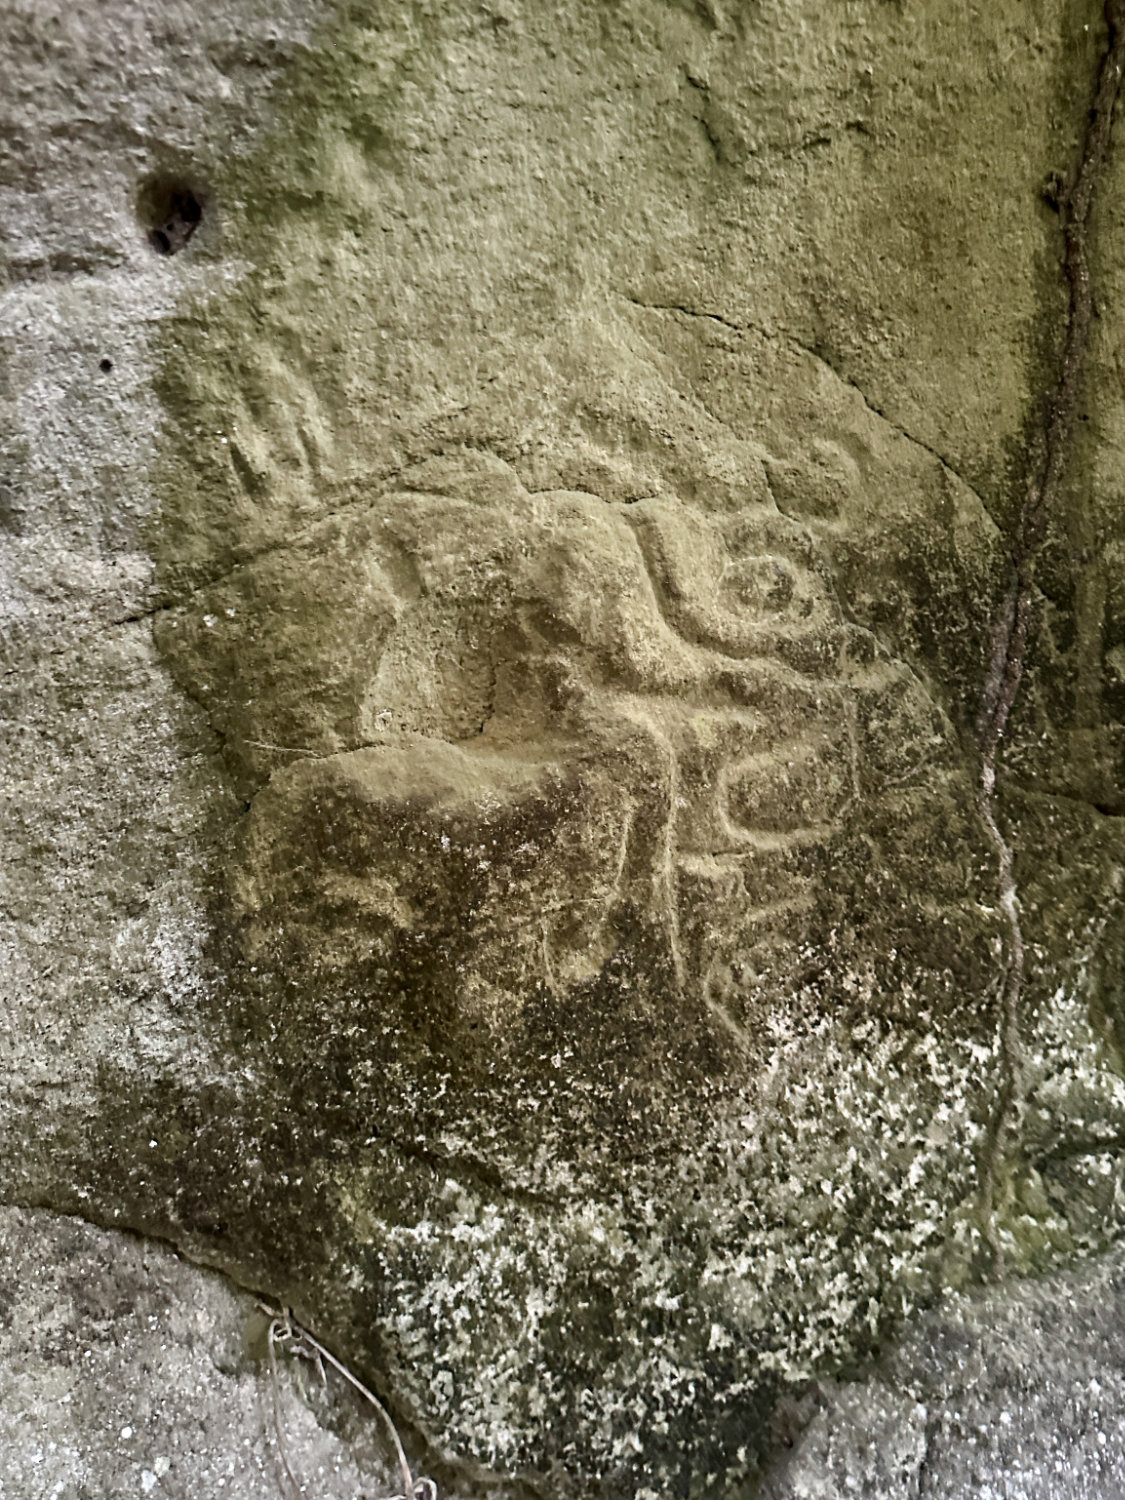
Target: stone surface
point(124, 1371)
point(504, 515)
point(1015, 1392)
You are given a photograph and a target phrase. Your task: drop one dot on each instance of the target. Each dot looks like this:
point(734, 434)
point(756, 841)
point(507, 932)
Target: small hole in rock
point(170, 211)
point(105, 365)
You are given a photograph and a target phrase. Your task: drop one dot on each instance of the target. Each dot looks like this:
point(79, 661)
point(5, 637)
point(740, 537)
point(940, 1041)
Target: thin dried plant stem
point(276, 1325)
point(284, 1329)
point(404, 1467)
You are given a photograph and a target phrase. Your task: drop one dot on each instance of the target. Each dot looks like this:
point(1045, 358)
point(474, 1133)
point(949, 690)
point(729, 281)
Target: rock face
point(508, 513)
point(127, 1372)
point(1014, 1392)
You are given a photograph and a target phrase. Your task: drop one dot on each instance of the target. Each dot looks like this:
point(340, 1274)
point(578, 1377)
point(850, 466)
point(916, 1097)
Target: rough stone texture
point(493, 630)
point(124, 1371)
point(1017, 1392)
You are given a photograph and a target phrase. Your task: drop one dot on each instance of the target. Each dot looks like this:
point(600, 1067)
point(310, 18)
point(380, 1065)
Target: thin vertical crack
point(1046, 471)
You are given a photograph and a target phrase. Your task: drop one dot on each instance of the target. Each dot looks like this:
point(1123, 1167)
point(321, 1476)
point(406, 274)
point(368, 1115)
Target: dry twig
point(285, 1332)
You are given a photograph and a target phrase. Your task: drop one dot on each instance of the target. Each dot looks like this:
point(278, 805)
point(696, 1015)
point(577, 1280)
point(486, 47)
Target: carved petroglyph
point(569, 708)
point(577, 992)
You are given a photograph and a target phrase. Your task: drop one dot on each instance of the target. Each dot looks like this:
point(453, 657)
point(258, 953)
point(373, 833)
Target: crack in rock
point(790, 339)
point(1046, 471)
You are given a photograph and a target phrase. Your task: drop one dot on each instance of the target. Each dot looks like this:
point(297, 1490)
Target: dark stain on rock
point(170, 211)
